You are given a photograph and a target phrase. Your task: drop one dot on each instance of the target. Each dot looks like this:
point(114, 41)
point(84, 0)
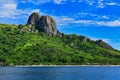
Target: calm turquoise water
point(60, 73)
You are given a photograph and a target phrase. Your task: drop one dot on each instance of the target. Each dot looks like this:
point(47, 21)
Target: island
point(38, 42)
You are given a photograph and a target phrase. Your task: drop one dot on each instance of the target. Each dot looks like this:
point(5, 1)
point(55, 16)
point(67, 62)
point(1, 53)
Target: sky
point(96, 19)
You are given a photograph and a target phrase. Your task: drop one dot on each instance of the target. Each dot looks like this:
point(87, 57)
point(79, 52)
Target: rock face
point(85, 39)
point(48, 25)
point(104, 45)
point(43, 23)
point(34, 18)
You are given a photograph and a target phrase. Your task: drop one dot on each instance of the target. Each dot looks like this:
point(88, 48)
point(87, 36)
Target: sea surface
point(60, 73)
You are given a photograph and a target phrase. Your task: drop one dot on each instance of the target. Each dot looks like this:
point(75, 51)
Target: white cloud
point(9, 9)
point(82, 22)
point(111, 4)
point(8, 1)
point(38, 2)
point(9, 6)
point(90, 2)
point(109, 23)
point(83, 14)
point(64, 20)
point(35, 2)
point(57, 1)
point(93, 16)
point(115, 23)
point(104, 17)
point(101, 4)
point(60, 1)
point(97, 3)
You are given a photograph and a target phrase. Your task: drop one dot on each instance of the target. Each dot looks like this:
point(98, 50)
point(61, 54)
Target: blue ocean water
point(61, 73)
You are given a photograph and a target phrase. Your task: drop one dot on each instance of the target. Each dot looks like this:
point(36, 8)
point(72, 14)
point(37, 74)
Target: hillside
point(38, 42)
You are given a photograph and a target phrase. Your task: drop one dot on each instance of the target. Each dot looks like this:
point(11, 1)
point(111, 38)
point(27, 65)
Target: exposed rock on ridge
point(104, 45)
point(34, 18)
point(48, 25)
point(43, 23)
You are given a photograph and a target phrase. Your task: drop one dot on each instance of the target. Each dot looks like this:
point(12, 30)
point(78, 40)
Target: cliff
point(43, 23)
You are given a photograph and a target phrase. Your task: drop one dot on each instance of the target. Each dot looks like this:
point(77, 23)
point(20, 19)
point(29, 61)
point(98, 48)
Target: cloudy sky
point(97, 19)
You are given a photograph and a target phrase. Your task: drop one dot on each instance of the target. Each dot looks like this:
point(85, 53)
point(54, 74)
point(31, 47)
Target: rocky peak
point(103, 44)
point(43, 23)
point(85, 39)
point(48, 25)
point(34, 18)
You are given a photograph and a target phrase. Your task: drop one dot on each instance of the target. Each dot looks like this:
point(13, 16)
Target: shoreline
point(59, 65)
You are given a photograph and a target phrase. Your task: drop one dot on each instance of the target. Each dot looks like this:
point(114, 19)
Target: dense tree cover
point(20, 45)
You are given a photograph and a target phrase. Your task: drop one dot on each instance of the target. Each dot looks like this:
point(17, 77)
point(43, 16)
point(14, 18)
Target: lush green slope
point(21, 46)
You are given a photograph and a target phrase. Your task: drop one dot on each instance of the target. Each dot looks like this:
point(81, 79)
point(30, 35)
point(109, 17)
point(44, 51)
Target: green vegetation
point(23, 45)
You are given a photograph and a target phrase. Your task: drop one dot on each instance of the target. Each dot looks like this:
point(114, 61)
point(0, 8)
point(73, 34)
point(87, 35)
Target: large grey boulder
point(34, 18)
point(43, 23)
point(48, 25)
